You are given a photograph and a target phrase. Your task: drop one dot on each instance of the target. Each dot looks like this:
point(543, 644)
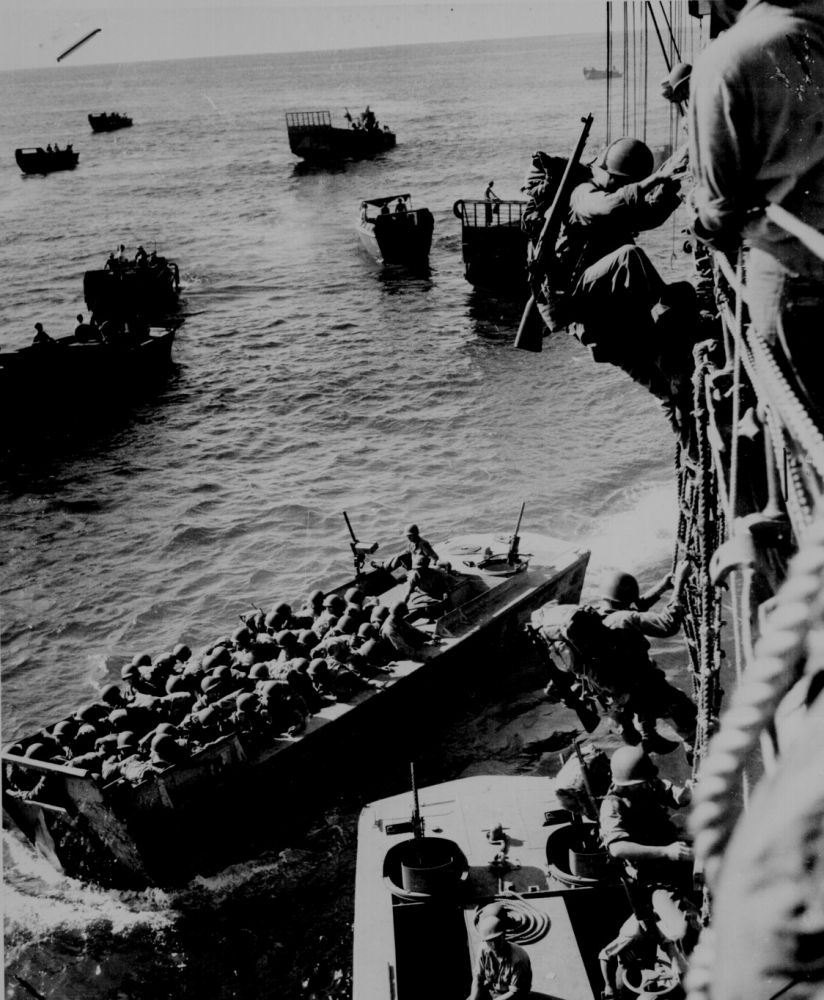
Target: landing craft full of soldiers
point(685, 861)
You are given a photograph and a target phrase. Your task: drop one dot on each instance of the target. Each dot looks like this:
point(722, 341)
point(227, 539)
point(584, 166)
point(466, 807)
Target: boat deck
point(389, 930)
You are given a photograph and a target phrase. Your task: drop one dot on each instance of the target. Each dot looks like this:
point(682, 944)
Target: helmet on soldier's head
point(353, 596)
point(347, 625)
point(620, 588)
point(130, 670)
point(490, 927)
point(411, 529)
point(142, 660)
point(241, 636)
point(111, 694)
point(283, 610)
point(174, 683)
point(379, 613)
point(334, 603)
point(127, 739)
point(398, 609)
point(631, 766)
point(286, 639)
point(181, 652)
point(628, 159)
point(246, 702)
point(259, 672)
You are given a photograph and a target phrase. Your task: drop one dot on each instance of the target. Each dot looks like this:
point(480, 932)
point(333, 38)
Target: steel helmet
point(89, 713)
point(282, 610)
point(119, 718)
point(246, 702)
point(379, 613)
point(142, 660)
point(347, 625)
point(367, 630)
point(181, 652)
point(271, 620)
point(130, 670)
point(37, 751)
point(490, 927)
point(299, 664)
point(629, 159)
point(209, 683)
point(241, 636)
point(110, 694)
point(620, 588)
point(163, 744)
point(207, 717)
point(259, 672)
point(334, 603)
point(318, 668)
point(64, 728)
point(286, 638)
point(631, 766)
point(308, 638)
point(316, 598)
point(411, 529)
point(176, 682)
point(398, 609)
point(127, 739)
point(353, 596)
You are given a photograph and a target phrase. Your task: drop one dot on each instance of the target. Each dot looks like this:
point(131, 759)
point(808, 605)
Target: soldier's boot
point(652, 741)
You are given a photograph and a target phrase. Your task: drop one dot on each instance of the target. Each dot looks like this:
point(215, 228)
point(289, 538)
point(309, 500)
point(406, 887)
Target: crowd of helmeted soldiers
point(262, 683)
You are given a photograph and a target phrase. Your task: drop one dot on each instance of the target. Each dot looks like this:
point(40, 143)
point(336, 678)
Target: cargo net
point(308, 119)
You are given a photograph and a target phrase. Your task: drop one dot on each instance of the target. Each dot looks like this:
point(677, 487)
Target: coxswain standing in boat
point(625, 313)
point(141, 258)
point(502, 969)
point(622, 607)
point(637, 830)
point(757, 139)
point(490, 198)
point(415, 545)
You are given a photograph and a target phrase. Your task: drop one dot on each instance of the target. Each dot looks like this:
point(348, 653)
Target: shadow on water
point(61, 430)
point(494, 317)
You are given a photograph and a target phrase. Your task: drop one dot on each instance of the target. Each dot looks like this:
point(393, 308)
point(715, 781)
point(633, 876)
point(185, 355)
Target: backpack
point(608, 659)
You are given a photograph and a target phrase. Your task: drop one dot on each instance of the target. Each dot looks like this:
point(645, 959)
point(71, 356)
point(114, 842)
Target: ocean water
point(308, 380)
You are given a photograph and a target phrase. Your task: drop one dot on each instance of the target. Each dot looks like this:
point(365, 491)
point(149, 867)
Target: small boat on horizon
point(36, 160)
point(109, 121)
point(591, 73)
point(394, 232)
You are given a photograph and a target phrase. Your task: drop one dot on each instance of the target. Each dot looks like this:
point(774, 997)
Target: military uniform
point(756, 138)
point(661, 884)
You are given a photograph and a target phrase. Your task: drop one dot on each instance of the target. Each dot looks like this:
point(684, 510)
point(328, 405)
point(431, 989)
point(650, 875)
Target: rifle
point(530, 334)
point(562, 683)
point(360, 550)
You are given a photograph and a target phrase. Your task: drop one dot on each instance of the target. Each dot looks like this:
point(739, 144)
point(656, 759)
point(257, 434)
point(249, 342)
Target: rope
point(646, 66)
point(530, 924)
point(609, 67)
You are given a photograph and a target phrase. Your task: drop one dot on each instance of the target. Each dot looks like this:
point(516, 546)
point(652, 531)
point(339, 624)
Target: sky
point(34, 32)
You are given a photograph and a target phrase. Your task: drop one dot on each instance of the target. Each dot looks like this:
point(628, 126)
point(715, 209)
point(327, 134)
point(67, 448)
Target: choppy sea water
point(308, 380)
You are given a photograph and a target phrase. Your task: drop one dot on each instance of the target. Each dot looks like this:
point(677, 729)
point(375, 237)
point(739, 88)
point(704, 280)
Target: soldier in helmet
point(414, 545)
point(652, 697)
point(408, 642)
point(637, 830)
point(608, 275)
point(502, 969)
point(427, 588)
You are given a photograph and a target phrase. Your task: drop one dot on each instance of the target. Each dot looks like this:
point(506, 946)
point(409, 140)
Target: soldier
point(502, 969)
point(409, 643)
point(756, 140)
point(427, 588)
point(414, 545)
point(609, 275)
point(637, 830)
point(651, 696)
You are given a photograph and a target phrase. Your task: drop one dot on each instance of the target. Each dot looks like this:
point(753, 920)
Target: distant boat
point(590, 73)
point(312, 137)
point(109, 122)
point(41, 161)
point(493, 244)
point(396, 237)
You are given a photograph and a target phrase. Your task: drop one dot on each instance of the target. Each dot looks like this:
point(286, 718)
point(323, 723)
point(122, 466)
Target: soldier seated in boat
point(283, 711)
point(408, 642)
point(333, 680)
point(502, 969)
point(428, 588)
point(166, 751)
point(85, 333)
point(64, 733)
point(333, 607)
point(125, 751)
point(415, 545)
point(303, 686)
point(41, 337)
point(637, 830)
point(141, 258)
point(313, 608)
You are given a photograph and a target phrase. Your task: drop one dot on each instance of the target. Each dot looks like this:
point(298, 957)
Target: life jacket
point(612, 661)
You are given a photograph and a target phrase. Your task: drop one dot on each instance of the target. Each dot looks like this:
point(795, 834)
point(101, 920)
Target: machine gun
point(530, 332)
point(512, 555)
point(566, 685)
point(360, 550)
